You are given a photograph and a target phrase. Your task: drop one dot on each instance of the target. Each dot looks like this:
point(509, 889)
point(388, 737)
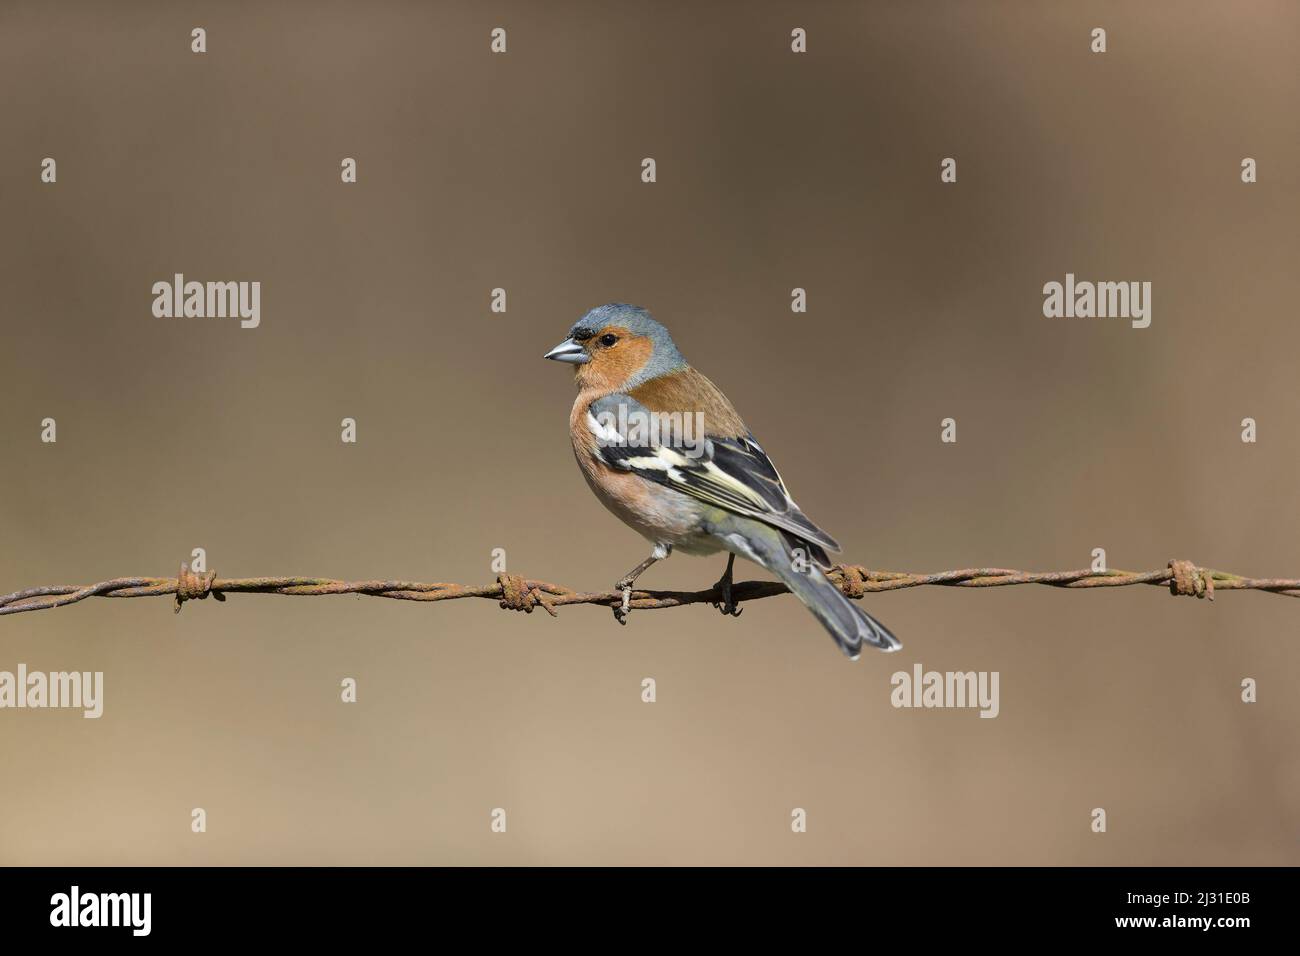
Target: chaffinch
point(666, 452)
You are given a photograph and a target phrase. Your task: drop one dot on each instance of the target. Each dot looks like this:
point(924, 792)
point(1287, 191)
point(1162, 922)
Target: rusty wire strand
point(517, 593)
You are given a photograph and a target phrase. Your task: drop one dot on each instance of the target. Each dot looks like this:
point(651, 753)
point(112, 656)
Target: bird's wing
point(734, 474)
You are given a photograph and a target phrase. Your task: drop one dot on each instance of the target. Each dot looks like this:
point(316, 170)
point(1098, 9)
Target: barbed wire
point(518, 593)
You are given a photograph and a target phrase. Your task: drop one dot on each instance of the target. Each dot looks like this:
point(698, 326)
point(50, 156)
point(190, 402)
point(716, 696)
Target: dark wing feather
point(734, 474)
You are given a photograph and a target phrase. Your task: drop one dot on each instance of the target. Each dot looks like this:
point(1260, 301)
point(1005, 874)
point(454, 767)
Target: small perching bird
point(666, 452)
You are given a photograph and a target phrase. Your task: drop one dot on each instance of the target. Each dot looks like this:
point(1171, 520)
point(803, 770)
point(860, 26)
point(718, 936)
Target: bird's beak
point(569, 351)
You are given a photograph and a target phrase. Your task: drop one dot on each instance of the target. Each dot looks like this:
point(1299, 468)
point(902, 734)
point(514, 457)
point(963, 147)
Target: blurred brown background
point(775, 171)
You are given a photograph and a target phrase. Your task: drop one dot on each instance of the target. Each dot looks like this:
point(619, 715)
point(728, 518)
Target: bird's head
point(617, 347)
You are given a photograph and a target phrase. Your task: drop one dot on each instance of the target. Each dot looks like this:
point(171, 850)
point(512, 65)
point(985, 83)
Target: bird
point(664, 449)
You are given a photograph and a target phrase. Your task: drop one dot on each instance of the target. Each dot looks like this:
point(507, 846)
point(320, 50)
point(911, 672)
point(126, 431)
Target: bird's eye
point(608, 339)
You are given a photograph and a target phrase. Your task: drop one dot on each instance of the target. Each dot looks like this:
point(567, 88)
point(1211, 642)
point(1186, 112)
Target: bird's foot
point(727, 606)
point(624, 610)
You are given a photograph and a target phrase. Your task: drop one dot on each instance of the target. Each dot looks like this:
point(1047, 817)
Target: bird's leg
point(625, 583)
point(727, 606)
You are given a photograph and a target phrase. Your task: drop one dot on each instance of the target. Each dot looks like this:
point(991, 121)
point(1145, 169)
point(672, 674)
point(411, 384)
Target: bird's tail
point(847, 622)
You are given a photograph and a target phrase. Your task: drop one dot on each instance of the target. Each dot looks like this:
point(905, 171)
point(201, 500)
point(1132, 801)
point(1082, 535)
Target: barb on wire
point(517, 593)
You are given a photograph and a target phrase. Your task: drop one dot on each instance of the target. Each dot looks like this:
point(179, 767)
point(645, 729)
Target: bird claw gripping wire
point(727, 605)
point(624, 610)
